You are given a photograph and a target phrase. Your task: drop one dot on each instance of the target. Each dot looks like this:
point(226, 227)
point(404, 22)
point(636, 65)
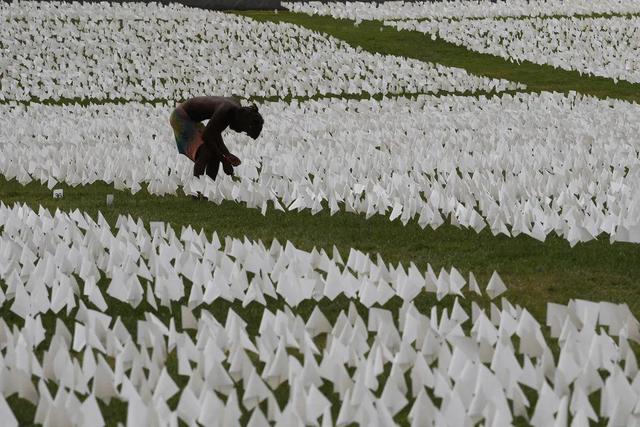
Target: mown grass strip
point(258, 99)
point(535, 272)
point(373, 36)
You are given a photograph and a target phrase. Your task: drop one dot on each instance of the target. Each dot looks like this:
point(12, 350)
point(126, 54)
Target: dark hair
point(251, 120)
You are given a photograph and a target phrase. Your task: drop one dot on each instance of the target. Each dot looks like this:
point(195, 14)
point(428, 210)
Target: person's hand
point(231, 159)
point(227, 168)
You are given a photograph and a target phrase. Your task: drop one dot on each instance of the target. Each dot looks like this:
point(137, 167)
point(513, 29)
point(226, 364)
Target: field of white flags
point(528, 163)
point(604, 47)
point(110, 317)
point(453, 366)
point(97, 51)
point(459, 9)
point(557, 33)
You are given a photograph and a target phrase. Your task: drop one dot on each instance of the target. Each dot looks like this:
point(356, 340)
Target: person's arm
point(212, 134)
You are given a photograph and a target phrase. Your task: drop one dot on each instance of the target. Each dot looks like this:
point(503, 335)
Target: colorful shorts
point(188, 133)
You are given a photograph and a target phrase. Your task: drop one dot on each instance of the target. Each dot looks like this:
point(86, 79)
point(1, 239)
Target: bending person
point(204, 144)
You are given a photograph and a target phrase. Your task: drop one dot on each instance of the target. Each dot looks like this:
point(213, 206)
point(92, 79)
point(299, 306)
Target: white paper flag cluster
point(444, 366)
point(606, 47)
point(364, 11)
point(529, 163)
point(142, 51)
point(71, 247)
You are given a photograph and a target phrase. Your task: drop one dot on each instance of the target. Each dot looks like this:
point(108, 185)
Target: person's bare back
point(204, 107)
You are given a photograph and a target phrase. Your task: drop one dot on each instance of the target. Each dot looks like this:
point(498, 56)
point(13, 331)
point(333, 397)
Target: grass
point(535, 272)
point(258, 99)
point(373, 36)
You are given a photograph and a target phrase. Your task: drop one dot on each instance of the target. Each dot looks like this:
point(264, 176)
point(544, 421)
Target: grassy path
point(375, 37)
point(535, 272)
point(258, 99)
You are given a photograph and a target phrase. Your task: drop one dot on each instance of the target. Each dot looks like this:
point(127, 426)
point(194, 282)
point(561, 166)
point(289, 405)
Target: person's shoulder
point(223, 101)
point(232, 100)
point(235, 99)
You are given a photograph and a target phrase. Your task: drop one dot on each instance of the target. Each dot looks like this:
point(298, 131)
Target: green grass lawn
point(535, 272)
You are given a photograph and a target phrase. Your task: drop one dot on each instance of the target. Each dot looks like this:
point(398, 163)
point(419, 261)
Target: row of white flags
point(601, 46)
point(365, 11)
point(147, 51)
point(445, 365)
point(531, 164)
point(242, 272)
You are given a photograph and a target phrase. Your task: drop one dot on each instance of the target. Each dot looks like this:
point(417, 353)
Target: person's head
point(248, 120)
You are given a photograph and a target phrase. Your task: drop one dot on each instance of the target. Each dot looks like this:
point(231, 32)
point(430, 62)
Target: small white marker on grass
point(109, 199)
point(58, 193)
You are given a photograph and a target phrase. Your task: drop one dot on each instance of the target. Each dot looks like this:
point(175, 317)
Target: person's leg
point(201, 165)
point(209, 163)
point(212, 159)
point(202, 158)
point(212, 167)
